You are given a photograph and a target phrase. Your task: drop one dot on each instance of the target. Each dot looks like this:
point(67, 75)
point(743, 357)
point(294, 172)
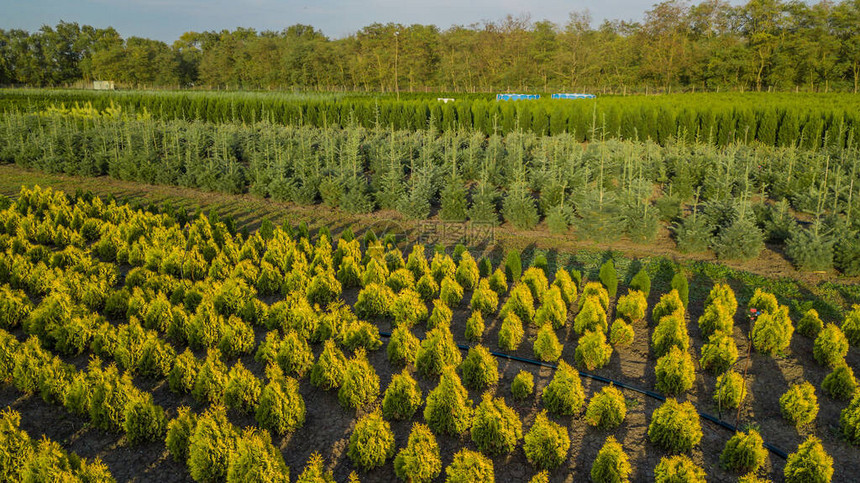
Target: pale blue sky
point(168, 19)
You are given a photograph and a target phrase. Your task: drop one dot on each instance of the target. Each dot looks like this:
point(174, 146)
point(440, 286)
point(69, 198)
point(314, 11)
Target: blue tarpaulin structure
point(532, 97)
point(572, 96)
point(517, 97)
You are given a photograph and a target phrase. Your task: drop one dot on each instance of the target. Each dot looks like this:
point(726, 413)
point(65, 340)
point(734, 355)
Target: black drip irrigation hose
point(719, 422)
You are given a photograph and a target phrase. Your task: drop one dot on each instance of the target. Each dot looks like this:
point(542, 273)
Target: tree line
point(760, 45)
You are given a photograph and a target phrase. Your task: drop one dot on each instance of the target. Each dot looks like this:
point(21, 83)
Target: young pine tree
point(519, 207)
point(453, 199)
point(483, 208)
point(810, 248)
point(741, 240)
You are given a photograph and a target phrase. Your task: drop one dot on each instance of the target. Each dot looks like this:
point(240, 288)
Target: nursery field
point(726, 201)
point(151, 341)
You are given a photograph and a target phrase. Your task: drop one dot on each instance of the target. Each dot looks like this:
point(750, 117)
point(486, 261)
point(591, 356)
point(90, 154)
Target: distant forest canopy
point(712, 45)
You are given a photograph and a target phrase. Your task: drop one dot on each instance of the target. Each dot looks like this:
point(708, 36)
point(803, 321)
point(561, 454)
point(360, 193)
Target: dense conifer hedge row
point(807, 120)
